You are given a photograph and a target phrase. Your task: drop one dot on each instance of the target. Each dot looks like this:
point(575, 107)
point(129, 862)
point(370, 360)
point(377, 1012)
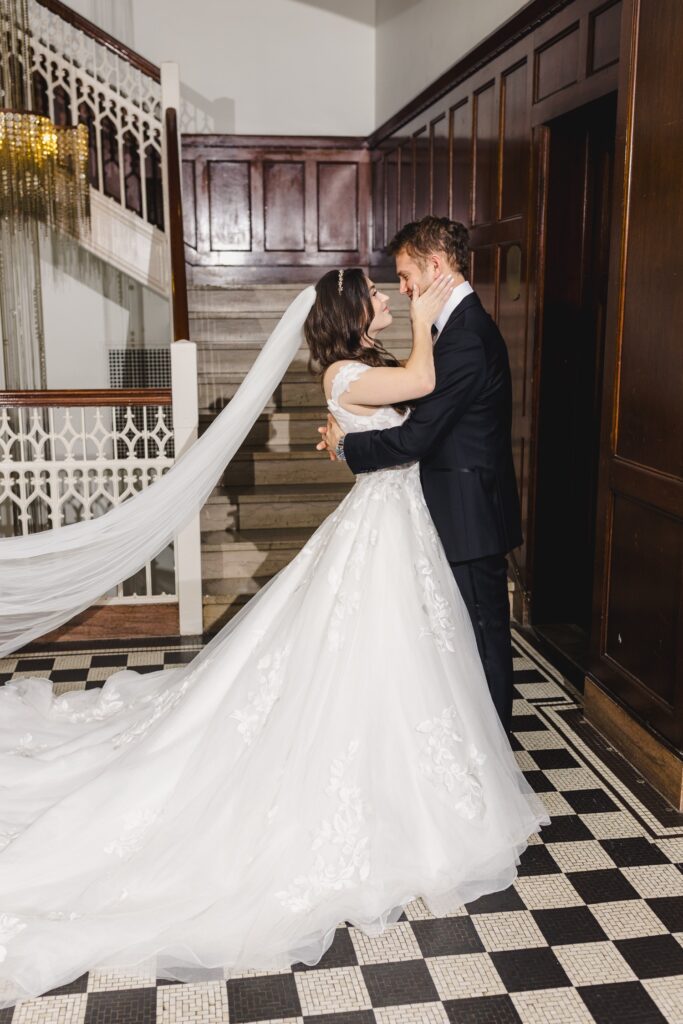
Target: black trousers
point(483, 585)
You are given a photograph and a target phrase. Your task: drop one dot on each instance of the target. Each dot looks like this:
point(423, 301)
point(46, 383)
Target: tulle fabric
point(330, 755)
point(46, 578)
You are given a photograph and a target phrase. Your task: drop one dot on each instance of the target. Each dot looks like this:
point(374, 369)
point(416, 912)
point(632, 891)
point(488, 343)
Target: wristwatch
point(339, 450)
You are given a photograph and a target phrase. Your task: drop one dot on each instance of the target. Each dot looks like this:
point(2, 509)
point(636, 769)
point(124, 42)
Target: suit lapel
point(470, 300)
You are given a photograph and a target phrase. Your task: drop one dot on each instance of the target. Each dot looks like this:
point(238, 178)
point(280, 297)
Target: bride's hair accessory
point(340, 281)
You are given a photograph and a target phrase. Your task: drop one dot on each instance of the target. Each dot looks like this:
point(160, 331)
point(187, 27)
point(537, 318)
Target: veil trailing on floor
point(46, 578)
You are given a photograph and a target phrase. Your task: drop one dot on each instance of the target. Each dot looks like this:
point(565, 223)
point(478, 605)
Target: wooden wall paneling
point(258, 219)
point(643, 617)
point(512, 321)
point(283, 205)
point(566, 75)
point(486, 136)
point(556, 63)
point(440, 160)
point(202, 233)
point(651, 373)
point(271, 203)
point(337, 191)
point(364, 209)
point(604, 36)
point(406, 205)
point(229, 205)
point(378, 202)
point(515, 141)
point(483, 275)
point(637, 651)
point(422, 170)
point(189, 190)
point(392, 197)
point(462, 133)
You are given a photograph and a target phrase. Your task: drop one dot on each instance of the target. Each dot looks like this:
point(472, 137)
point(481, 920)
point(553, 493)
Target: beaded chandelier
point(43, 167)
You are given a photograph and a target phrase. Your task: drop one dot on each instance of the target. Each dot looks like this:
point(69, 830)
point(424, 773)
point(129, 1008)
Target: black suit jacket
point(461, 435)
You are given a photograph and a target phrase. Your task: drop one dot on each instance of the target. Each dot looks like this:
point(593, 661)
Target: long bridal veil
point(46, 578)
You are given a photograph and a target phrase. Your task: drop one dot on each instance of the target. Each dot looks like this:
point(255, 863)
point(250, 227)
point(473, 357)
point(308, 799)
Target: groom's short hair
point(430, 235)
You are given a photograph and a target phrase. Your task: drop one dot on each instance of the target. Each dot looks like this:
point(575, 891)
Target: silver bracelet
point(339, 450)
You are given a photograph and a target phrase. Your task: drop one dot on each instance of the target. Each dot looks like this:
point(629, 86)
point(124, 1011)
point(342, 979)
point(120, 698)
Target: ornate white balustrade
point(77, 79)
point(63, 464)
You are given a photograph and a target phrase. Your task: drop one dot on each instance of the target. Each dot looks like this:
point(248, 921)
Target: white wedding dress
point(330, 755)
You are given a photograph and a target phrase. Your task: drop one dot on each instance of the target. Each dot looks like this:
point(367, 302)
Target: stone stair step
point(264, 507)
point(286, 465)
point(249, 553)
point(257, 298)
point(219, 608)
point(231, 330)
point(238, 357)
point(261, 298)
point(294, 425)
point(217, 390)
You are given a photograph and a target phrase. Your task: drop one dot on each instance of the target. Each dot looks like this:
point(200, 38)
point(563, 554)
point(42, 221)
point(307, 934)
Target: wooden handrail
point(179, 311)
point(88, 397)
point(102, 37)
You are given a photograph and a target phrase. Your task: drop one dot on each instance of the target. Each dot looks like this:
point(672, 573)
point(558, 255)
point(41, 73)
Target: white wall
point(417, 40)
point(90, 308)
point(283, 67)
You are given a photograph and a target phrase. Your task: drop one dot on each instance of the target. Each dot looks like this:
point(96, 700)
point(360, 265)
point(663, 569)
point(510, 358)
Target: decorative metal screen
point(140, 368)
point(63, 465)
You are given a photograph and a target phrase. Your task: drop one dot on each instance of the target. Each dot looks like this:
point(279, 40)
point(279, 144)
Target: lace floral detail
point(438, 608)
point(252, 717)
point(27, 748)
point(344, 860)
point(8, 837)
point(445, 762)
point(108, 702)
point(344, 378)
point(62, 915)
point(346, 582)
point(10, 926)
point(136, 825)
point(161, 704)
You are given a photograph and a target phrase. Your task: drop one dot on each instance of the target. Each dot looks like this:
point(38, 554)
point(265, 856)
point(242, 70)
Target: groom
point(461, 435)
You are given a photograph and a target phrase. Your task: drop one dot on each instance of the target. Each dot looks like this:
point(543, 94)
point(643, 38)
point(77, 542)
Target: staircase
point(278, 488)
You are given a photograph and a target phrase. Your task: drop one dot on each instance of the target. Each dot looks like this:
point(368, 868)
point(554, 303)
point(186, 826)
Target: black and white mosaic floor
point(591, 931)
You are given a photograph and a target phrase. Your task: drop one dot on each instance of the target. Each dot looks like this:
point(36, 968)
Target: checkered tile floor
point(591, 931)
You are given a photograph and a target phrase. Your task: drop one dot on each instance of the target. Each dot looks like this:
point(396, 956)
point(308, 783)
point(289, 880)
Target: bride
point(330, 755)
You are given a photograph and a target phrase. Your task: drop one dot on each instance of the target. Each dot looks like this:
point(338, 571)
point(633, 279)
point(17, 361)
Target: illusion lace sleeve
point(345, 377)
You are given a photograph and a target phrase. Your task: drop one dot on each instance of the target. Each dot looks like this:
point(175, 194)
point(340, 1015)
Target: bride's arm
point(387, 385)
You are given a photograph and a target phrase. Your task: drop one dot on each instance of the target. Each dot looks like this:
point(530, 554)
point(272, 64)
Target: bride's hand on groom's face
point(331, 433)
point(425, 307)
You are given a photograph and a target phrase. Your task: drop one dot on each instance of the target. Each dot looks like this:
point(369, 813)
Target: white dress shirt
point(457, 295)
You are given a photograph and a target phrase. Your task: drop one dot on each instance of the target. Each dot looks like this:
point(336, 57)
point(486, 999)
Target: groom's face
point(411, 273)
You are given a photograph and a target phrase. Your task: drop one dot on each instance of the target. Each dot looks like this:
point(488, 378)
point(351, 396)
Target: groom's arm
point(460, 366)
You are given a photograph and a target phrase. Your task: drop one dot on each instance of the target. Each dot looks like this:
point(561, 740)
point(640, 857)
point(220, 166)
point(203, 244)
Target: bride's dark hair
point(338, 322)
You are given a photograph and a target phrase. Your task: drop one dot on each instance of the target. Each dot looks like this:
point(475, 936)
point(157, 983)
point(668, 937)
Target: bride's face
point(380, 306)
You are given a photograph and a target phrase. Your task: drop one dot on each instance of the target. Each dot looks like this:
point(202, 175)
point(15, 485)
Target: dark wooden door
point(579, 172)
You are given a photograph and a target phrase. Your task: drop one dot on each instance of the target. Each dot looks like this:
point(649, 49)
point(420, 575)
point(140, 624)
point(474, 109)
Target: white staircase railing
point(66, 456)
